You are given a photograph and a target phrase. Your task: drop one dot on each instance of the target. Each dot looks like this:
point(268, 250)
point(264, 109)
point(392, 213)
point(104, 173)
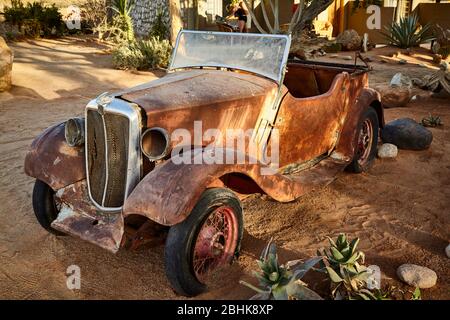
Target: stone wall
point(144, 14)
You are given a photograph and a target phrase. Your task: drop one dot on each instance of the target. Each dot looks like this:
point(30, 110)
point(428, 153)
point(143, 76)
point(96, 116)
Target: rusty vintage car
point(113, 177)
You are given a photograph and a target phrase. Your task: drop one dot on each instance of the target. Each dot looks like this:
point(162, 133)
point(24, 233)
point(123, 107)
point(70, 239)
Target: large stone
point(6, 61)
point(400, 80)
point(394, 97)
point(417, 276)
point(350, 40)
point(447, 251)
point(387, 150)
point(406, 133)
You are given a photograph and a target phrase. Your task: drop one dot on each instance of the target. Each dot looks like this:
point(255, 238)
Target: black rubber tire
point(355, 166)
point(182, 237)
point(44, 206)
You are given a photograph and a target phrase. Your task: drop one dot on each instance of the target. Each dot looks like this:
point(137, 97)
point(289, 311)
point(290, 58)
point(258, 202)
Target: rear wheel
point(366, 147)
point(208, 239)
point(45, 207)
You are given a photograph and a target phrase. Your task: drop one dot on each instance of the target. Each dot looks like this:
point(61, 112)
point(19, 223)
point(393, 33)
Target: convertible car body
point(126, 174)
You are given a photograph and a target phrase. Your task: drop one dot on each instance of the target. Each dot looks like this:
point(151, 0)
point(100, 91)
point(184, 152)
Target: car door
point(309, 127)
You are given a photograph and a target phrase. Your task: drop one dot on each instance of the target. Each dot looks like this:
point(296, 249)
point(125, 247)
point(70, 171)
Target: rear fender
point(51, 160)
point(348, 137)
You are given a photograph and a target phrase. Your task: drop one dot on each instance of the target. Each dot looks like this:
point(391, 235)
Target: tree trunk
point(175, 20)
point(310, 13)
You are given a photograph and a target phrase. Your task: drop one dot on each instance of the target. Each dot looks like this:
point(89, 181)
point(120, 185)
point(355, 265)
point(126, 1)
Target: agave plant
point(344, 266)
point(350, 284)
point(406, 33)
point(432, 121)
point(343, 253)
point(282, 282)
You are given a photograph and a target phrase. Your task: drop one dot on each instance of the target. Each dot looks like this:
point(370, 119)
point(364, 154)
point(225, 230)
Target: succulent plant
point(407, 33)
point(343, 253)
point(282, 282)
point(431, 121)
point(416, 295)
point(350, 284)
point(344, 265)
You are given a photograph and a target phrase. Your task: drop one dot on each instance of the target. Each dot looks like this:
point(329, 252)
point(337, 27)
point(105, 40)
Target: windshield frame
point(281, 69)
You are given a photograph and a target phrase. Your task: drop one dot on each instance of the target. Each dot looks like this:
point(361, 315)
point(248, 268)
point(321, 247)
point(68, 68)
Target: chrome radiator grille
point(113, 160)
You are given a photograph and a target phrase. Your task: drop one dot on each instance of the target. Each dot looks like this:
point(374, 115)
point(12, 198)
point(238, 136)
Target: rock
point(402, 61)
point(387, 150)
point(332, 47)
point(447, 251)
point(393, 97)
point(6, 61)
point(437, 58)
point(334, 56)
point(417, 276)
point(299, 53)
point(407, 134)
point(350, 40)
point(347, 57)
point(443, 65)
point(393, 54)
point(400, 80)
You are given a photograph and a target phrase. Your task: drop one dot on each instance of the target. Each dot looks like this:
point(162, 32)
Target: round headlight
point(74, 132)
point(155, 143)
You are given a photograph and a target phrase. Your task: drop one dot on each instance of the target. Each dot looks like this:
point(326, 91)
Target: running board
point(319, 175)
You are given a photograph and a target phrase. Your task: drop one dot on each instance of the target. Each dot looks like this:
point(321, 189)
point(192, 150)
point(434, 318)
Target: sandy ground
point(400, 209)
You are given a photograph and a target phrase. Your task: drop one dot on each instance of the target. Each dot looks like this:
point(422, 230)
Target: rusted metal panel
point(348, 135)
point(51, 160)
point(185, 89)
point(309, 126)
point(78, 217)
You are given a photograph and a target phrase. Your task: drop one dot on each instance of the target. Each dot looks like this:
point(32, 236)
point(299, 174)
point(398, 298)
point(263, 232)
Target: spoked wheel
point(367, 139)
point(46, 207)
point(216, 242)
point(207, 240)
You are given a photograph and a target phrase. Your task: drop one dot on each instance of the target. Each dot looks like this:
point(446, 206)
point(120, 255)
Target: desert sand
point(400, 209)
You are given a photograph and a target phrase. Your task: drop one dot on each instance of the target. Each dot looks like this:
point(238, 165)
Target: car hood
point(192, 88)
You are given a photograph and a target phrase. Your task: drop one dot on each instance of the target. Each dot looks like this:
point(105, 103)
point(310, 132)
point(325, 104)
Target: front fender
point(168, 194)
point(53, 161)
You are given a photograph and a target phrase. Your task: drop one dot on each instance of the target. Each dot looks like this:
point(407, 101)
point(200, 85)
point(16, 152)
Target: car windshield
point(265, 55)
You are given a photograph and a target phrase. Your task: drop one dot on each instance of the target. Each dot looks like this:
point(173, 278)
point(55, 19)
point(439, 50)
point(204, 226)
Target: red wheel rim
point(216, 242)
point(365, 142)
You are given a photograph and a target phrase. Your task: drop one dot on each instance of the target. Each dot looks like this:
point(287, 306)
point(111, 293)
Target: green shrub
point(407, 33)
point(159, 28)
point(142, 54)
point(34, 19)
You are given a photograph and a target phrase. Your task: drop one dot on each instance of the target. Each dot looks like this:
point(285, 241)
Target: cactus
point(282, 282)
point(431, 121)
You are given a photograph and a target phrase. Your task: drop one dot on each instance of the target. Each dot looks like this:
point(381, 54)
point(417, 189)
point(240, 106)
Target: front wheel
point(45, 206)
point(367, 140)
point(208, 239)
